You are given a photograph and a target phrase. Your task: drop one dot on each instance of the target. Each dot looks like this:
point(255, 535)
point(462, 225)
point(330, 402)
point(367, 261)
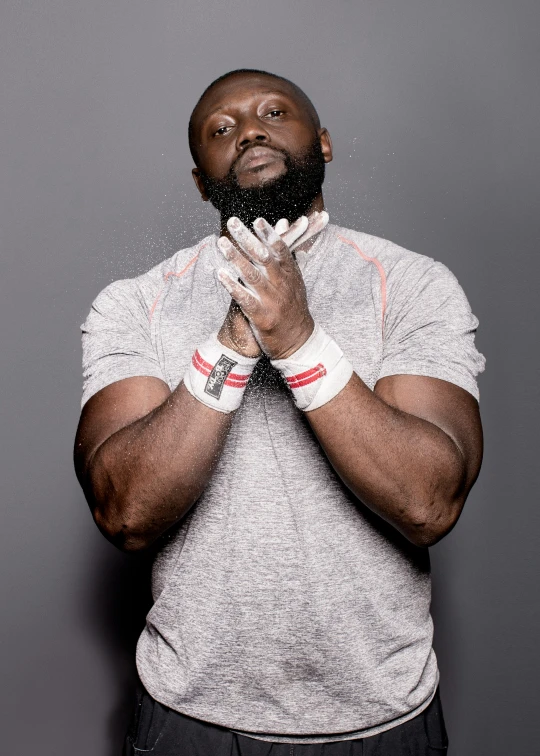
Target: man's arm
point(143, 456)
point(410, 450)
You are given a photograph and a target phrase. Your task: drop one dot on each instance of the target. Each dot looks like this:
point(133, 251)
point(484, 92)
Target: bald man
point(287, 415)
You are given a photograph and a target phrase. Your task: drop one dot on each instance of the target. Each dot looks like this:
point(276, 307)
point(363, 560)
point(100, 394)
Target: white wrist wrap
point(316, 372)
point(218, 376)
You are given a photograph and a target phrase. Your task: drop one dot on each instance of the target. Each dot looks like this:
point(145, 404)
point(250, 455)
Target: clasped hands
point(269, 312)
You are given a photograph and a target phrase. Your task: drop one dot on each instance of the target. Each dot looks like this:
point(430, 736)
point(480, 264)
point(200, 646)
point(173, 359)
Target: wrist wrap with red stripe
point(316, 372)
point(218, 376)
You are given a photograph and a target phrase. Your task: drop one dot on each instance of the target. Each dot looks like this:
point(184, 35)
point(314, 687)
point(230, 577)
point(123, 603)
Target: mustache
point(287, 196)
point(234, 166)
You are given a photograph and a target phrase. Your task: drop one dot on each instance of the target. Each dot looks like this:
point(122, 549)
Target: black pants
point(159, 731)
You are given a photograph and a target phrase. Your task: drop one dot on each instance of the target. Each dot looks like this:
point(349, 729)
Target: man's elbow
point(115, 509)
point(432, 521)
point(122, 532)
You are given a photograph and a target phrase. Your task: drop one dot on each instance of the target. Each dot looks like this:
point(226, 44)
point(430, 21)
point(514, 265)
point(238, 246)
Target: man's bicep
point(112, 408)
point(449, 407)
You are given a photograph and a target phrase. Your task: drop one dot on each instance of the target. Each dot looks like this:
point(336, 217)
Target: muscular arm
point(411, 450)
point(143, 456)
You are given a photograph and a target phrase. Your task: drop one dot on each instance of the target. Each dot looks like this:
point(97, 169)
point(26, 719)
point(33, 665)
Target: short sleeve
point(116, 340)
point(429, 326)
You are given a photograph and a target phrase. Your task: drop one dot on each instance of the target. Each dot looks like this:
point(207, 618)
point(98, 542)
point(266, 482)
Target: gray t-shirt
point(283, 607)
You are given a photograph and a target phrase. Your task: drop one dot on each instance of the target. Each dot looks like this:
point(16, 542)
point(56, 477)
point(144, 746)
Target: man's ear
point(199, 183)
point(326, 145)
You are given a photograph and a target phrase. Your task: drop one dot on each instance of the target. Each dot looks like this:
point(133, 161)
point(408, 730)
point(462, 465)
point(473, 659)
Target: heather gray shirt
point(283, 607)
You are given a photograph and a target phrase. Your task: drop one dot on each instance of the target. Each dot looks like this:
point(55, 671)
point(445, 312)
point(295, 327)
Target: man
point(288, 415)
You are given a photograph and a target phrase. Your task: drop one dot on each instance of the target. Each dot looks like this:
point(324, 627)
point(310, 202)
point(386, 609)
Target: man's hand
point(302, 229)
point(272, 295)
point(236, 332)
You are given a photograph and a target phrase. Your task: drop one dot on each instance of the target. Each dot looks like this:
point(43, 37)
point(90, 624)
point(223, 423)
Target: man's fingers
point(248, 242)
point(276, 243)
point(253, 276)
point(317, 221)
point(247, 301)
point(281, 226)
point(295, 231)
point(272, 240)
point(302, 229)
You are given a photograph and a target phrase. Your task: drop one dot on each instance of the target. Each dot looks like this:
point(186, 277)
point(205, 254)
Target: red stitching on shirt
point(379, 267)
point(176, 275)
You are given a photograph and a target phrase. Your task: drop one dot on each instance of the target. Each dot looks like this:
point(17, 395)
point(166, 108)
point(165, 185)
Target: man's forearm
point(411, 450)
point(404, 468)
point(145, 477)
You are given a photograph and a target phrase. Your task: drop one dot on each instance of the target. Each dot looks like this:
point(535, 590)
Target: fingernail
point(224, 278)
point(263, 227)
point(226, 247)
point(233, 222)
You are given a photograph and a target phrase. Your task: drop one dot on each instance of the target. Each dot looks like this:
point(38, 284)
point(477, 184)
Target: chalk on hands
point(294, 232)
point(257, 252)
point(226, 247)
point(226, 279)
point(239, 291)
point(317, 222)
point(266, 232)
point(302, 229)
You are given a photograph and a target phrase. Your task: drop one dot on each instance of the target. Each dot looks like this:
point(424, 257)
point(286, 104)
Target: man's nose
point(252, 130)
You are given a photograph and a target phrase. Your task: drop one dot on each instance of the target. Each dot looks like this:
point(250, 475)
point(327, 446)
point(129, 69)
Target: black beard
point(288, 196)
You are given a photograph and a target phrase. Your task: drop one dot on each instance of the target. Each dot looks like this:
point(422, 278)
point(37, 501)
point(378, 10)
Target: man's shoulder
point(386, 252)
point(142, 290)
point(400, 267)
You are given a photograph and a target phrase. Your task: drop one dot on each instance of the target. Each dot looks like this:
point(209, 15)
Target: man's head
point(258, 147)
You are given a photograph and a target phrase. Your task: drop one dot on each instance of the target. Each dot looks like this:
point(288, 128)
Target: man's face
point(260, 152)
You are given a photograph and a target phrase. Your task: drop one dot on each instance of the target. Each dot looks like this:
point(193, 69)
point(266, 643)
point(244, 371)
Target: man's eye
point(222, 130)
point(275, 113)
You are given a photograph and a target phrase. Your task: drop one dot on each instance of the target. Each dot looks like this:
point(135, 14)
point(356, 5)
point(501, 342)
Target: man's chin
point(277, 189)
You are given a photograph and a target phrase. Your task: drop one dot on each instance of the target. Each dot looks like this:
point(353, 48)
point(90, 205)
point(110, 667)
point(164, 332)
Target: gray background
point(433, 110)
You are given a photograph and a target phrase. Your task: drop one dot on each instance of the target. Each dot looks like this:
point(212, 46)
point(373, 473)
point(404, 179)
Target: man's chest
point(343, 297)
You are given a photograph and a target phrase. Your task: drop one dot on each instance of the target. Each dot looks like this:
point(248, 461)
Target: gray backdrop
point(433, 109)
